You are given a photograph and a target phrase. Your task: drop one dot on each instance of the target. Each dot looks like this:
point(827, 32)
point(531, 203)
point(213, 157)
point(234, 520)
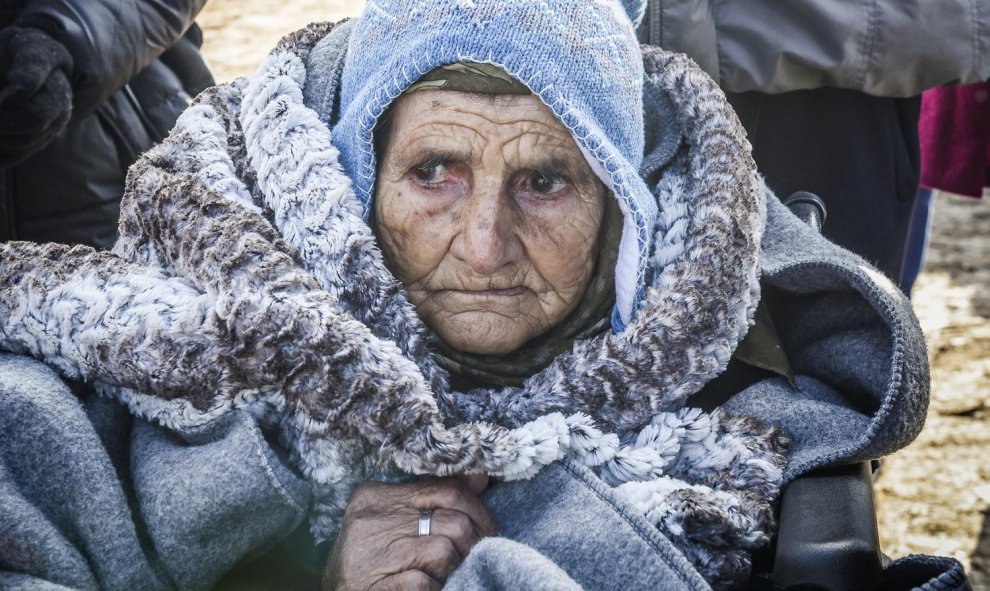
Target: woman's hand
point(379, 547)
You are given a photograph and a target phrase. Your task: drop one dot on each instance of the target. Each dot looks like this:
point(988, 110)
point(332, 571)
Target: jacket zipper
point(139, 109)
point(8, 227)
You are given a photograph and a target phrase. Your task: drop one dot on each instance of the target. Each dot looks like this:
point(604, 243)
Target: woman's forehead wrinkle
point(405, 154)
point(434, 134)
point(518, 129)
point(540, 150)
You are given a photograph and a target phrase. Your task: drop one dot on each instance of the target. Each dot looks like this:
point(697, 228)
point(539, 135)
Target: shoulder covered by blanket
point(246, 279)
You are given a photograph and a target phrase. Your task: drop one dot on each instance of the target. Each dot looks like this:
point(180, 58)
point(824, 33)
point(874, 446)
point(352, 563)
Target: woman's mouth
point(509, 291)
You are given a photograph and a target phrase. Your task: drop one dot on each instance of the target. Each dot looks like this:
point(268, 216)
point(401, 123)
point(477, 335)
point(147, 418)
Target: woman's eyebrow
point(551, 162)
point(560, 164)
point(406, 159)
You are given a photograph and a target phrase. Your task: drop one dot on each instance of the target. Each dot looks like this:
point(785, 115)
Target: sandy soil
point(934, 496)
point(238, 34)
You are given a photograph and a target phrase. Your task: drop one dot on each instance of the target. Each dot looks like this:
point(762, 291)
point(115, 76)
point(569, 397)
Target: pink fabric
point(955, 139)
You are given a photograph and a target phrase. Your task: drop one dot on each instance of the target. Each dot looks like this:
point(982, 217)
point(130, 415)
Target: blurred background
point(934, 496)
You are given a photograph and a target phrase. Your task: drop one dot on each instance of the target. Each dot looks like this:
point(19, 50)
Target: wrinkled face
point(489, 214)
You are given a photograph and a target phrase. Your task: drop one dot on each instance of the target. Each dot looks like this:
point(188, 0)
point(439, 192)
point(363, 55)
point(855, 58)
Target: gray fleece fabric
point(91, 500)
point(855, 344)
point(580, 526)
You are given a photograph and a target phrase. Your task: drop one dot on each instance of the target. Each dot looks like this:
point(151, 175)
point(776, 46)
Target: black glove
point(35, 94)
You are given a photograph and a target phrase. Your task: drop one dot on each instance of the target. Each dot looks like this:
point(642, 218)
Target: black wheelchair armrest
point(827, 537)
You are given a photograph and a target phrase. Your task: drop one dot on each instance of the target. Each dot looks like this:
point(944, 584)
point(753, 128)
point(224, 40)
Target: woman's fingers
point(436, 493)
point(379, 545)
point(375, 547)
point(476, 483)
point(391, 530)
point(409, 580)
point(452, 493)
point(456, 527)
point(434, 555)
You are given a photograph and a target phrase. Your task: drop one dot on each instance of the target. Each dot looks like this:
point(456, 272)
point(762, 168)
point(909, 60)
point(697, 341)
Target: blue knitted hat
point(581, 57)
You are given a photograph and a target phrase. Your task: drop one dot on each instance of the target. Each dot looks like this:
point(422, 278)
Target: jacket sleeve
point(894, 48)
point(110, 40)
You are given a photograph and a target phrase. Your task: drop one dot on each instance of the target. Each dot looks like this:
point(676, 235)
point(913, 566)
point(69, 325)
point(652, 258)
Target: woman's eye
point(438, 176)
point(430, 172)
point(545, 183)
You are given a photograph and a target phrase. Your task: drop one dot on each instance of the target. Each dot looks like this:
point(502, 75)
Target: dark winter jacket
point(135, 66)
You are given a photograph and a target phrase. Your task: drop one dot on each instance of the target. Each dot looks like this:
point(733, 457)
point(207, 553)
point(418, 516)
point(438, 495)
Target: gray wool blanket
point(246, 283)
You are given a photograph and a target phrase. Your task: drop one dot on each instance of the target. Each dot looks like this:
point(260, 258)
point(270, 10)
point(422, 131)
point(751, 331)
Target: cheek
point(562, 241)
point(413, 236)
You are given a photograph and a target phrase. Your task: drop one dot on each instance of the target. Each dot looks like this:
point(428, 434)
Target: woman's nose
point(487, 241)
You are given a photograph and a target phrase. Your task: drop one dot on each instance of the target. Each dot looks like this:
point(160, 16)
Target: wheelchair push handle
point(808, 207)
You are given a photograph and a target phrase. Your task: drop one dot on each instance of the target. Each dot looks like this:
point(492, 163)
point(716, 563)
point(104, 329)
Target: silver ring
point(424, 522)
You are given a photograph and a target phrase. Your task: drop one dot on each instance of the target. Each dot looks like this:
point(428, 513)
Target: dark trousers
point(858, 153)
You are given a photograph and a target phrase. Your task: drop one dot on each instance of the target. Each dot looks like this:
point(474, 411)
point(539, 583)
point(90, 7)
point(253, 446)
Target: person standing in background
point(829, 93)
point(85, 88)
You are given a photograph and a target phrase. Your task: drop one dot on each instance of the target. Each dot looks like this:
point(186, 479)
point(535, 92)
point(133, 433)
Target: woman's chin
point(485, 333)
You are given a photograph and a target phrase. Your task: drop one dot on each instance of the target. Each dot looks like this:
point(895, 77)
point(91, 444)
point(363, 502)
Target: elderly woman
point(448, 244)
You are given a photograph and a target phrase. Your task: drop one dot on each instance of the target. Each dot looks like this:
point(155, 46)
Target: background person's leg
point(917, 242)
point(857, 152)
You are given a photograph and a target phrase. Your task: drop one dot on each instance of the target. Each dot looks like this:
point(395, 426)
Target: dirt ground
point(934, 496)
point(238, 34)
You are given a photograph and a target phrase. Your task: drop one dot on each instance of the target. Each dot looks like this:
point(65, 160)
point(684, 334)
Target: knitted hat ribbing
point(581, 58)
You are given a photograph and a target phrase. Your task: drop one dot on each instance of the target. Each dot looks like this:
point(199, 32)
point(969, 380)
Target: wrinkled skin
point(489, 215)
point(379, 547)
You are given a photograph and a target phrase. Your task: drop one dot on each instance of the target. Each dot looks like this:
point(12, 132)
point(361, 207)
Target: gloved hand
point(35, 93)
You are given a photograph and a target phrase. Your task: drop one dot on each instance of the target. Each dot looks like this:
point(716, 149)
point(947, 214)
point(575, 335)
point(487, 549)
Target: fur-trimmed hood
point(246, 277)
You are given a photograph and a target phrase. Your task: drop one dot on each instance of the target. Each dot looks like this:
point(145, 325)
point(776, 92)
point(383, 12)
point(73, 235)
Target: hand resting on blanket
point(379, 548)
